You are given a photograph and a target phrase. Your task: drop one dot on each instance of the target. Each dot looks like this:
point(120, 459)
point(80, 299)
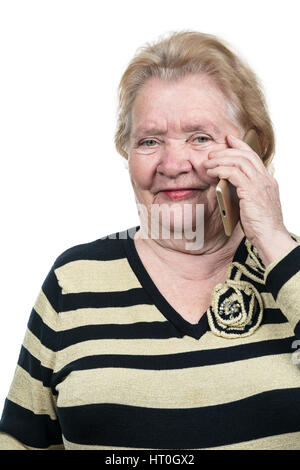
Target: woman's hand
point(260, 209)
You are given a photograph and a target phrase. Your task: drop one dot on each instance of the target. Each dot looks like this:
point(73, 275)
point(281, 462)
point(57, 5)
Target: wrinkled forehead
point(187, 105)
point(162, 128)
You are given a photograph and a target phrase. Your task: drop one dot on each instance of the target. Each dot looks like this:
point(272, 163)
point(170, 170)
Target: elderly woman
point(144, 342)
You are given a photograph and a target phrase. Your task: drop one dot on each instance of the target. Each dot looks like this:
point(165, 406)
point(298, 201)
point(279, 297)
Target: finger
point(232, 174)
point(237, 143)
point(243, 164)
point(248, 156)
point(232, 152)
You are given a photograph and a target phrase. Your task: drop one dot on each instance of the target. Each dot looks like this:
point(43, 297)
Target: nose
point(174, 161)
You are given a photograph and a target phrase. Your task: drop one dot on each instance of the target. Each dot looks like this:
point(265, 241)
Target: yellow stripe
point(288, 299)
point(39, 351)
point(96, 276)
point(277, 261)
point(8, 442)
point(45, 310)
point(72, 446)
point(268, 300)
point(154, 347)
point(122, 315)
point(179, 388)
point(31, 394)
point(110, 315)
point(287, 441)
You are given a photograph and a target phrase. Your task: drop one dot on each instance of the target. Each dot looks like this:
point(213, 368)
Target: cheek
point(141, 172)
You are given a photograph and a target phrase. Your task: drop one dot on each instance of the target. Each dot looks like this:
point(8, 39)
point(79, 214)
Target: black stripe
point(151, 330)
point(34, 368)
point(297, 330)
point(283, 271)
point(127, 298)
point(30, 429)
point(273, 316)
point(52, 290)
point(266, 414)
point(257, 272)
point(139, 330)
point(43, 332)
point(179, 360)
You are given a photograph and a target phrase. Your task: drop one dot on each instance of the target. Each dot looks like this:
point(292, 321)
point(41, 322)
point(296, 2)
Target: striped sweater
point(107, 362)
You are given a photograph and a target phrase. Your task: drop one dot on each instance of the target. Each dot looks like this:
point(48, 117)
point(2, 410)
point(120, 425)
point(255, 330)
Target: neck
point(198, 265)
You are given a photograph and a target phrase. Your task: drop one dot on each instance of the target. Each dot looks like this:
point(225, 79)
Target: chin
point(179, 227)
point(178, 217)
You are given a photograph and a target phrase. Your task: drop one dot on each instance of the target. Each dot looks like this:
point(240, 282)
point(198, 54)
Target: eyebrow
point(191, 127)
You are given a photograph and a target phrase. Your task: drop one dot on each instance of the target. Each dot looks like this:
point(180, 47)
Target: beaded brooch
point(236, 307)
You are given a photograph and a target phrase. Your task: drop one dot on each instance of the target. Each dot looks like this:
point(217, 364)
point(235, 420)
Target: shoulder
point(109, 247)
point(96, 266)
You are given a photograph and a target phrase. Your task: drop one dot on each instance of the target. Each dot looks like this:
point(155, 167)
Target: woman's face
point(174, 127)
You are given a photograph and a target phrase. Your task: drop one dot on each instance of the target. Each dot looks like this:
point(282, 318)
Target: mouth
point(181, 193)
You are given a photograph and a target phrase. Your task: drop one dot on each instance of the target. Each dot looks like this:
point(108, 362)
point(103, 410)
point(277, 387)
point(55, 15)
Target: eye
point(203, 138)
point(148, 142)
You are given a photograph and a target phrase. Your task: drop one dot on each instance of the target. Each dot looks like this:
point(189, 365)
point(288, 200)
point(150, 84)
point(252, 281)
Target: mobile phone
point(227, 197)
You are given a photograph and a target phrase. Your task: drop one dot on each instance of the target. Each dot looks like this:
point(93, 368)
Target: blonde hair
point(189, 52)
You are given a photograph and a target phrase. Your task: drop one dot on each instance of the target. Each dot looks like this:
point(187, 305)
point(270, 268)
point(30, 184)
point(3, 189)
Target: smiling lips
point(179, 193)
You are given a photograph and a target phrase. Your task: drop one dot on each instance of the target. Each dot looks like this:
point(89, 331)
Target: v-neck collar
point(183, 326)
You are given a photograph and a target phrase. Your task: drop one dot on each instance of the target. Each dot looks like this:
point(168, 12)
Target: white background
point(62, 181)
